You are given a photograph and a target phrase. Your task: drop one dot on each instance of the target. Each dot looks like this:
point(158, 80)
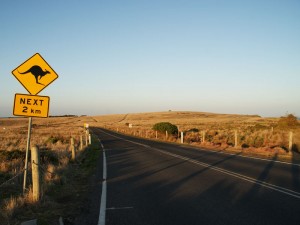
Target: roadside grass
point(257, 136)
point(60, 177)
point(66, 186)
point(62, 196)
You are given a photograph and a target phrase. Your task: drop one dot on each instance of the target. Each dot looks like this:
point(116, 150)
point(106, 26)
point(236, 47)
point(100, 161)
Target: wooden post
point(235, 139)
point(166, 135)
point(86, 137)
point(90, 139)
point(35, 163)
point(181, 137)
point(290, 142)
point(203, 136)
point(156, 134)
point(81, 142)
point(73, 149)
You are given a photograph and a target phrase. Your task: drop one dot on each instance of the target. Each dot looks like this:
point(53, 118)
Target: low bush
point(289, 121)
point(165, 126)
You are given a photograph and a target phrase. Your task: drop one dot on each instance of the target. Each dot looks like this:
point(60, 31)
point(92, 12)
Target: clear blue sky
point(128, 56)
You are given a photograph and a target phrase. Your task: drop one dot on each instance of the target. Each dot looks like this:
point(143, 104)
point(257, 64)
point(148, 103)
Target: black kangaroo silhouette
point(37, 72)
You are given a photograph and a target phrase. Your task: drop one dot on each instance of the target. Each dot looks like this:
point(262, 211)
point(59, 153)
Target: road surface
point(154, 183)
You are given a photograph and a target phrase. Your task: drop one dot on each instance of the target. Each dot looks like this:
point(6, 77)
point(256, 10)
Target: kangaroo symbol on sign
point(37, 72)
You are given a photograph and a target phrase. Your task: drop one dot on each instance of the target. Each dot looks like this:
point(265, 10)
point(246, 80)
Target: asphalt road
point(154, 183)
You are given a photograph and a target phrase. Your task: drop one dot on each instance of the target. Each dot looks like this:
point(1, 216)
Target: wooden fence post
point(86, 137)
point(81, 142)
point(166, 135)
point(156, 134)
point(235, 139)
point(203, 136)
point(35, 163)
point(290, 142)
point(73, 149)
point(90, 139)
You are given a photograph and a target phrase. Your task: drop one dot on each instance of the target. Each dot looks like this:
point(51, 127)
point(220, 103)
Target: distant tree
point(289, 121)
point(165, 126)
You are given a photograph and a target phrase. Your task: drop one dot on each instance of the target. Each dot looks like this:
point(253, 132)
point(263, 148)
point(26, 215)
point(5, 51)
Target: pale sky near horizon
point(130, 56)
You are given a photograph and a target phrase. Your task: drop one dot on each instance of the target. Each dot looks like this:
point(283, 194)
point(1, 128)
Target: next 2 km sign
point(31, 105)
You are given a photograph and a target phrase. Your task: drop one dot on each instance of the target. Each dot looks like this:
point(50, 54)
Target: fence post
point(156, 134)
point(235, 139)
point(73, 149)
point(81, 142)
point(90, 139)
point(290, 142)
point(86, 137)
point(166, 135)
point(181, 137)
point(203, 136)
point(35, 163)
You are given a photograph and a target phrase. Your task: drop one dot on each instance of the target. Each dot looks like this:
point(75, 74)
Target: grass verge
point(60, 198)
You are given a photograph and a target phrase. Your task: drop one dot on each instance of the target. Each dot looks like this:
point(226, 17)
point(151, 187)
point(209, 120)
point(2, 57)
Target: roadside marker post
point(35, 74)
point(181, 137)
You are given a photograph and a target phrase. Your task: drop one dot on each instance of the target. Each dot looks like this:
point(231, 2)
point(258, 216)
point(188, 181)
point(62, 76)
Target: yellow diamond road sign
point(31, 105)
point(35, 74)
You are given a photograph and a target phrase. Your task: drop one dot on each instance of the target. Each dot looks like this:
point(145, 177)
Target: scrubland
point(257, 136)
point(52, 136)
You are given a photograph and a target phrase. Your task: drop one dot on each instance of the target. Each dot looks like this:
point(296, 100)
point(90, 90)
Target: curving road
point(154, 183)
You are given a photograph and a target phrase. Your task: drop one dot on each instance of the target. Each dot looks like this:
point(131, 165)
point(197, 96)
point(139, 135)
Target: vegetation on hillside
point(165, 126)
point(289, 121)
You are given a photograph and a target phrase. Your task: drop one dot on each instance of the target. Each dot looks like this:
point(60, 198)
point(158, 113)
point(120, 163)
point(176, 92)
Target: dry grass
point(185, 120)
point(256, 135)
point(52, 135)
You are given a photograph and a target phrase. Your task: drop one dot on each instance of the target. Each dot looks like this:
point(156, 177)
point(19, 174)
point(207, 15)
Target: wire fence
point(11, 179)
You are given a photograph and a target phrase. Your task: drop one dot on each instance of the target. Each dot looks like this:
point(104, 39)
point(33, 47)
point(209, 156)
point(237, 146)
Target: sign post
point(35, 74)
point(27, 150)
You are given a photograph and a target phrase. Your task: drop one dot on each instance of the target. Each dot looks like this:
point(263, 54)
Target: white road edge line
point(102, 212)
point(237, 175)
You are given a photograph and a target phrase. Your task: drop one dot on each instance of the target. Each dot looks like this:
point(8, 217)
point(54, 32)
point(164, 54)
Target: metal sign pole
point(27, 150)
